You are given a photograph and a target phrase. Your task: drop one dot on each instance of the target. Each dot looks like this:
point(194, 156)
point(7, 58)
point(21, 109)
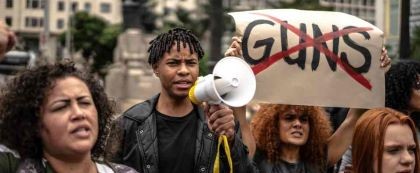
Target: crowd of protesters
point(56, 118)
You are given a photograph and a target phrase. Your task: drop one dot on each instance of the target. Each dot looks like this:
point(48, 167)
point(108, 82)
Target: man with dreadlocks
point(168, 133)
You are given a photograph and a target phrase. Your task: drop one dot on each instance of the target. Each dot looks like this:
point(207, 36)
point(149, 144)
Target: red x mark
point(317, 44)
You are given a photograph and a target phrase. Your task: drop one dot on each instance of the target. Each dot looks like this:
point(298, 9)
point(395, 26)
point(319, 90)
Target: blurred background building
point(28, 17)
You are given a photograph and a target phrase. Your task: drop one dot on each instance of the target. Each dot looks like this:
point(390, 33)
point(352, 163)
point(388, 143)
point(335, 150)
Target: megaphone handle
point(224, 139)
point(216, 167)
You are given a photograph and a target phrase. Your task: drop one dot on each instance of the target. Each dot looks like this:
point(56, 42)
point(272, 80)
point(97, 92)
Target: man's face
point(177, 71)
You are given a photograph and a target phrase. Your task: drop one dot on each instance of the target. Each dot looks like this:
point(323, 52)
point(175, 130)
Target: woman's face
point(399, 150)
point(294, 128)
point(415, 96)
point(69, 119)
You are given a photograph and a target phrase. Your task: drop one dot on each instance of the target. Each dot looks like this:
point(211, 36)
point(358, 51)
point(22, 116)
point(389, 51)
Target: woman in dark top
point(297, 139)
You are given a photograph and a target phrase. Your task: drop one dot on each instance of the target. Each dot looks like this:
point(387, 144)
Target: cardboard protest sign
point(313, 57)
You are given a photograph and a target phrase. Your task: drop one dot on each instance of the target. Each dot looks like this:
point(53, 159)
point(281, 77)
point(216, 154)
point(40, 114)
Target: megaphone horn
point(232, 83)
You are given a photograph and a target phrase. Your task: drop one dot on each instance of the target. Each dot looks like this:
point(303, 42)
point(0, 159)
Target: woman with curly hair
point(402, 83)
point(297, 139)
point(385, 141)
point(57, 119)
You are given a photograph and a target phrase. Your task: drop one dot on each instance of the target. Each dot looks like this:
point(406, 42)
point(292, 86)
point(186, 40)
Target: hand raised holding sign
point(235, 48)
point(385, 60)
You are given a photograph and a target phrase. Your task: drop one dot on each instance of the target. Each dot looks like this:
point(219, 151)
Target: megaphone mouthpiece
point(224, 86)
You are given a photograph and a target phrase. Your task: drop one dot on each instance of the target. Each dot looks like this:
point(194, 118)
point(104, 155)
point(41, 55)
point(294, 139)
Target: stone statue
point(130, 78)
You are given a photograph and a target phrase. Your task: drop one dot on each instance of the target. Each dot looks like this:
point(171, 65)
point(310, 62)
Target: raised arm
point(247, 138)
point(235, 49)
point(342, 138)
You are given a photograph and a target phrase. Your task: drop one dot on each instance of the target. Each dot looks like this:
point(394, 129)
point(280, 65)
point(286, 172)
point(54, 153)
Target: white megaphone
point(232, 83)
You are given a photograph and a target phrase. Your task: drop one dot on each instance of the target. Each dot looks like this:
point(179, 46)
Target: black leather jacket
point(139, 148)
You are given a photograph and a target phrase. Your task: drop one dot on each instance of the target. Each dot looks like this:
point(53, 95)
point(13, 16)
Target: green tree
point(415, 43)
point(95, 38)
point(104, 53)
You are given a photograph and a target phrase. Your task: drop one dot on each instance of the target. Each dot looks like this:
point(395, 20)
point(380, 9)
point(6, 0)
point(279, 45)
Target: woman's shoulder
point(8, 162)
point(261, 161)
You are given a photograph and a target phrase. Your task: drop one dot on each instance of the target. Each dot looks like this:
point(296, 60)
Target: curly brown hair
point(265, 128)
point(399, 83)
point(22, 98)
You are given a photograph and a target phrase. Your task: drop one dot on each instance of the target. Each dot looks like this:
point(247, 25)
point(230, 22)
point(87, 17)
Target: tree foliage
point(94, 38)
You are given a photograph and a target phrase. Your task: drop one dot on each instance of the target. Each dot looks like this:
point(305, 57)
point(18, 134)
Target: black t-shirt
point(176, 141)
point(281, 166)
point(286, 167)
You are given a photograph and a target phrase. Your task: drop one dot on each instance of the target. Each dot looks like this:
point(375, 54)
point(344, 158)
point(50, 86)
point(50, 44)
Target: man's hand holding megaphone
point(220, 120)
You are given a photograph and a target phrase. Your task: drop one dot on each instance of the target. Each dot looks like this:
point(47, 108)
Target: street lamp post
point(45, 36)
point(68, 32)
point(405, 29)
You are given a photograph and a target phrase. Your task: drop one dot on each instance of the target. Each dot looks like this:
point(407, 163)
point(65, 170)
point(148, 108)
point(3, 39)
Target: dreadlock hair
point(399, 82)
point(163, 43)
